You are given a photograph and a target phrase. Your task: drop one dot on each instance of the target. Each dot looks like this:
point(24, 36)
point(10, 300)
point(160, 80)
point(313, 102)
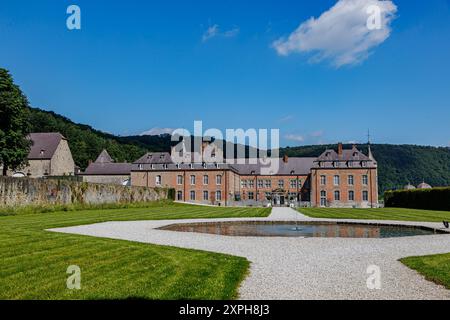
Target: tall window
point(365, 195)
point(251, 183)
point(205, 179)
point(192, 180)
point(192, 195)
point(180, 195)
point(251, 196)
point(218, 179)
point(337, 180)
point(365, 180)
point(179, 180)
point(205, 195)
point(323, 180)
point(268, 183)
point(280, 183)
point(337, 196)
point(293, 184)
point(218, 195)
point(261, 184)
point(351, 180)
point(323, 198)
point(158, 180)
point(351, 196)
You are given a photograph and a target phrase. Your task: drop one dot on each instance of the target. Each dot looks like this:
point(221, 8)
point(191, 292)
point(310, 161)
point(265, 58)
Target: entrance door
point(282, 201)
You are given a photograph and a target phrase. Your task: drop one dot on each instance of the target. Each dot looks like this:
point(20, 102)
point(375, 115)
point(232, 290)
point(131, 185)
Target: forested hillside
point(398, 164)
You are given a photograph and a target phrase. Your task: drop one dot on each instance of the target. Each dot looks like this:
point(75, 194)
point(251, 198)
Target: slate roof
point(104, 157)
point(44, 145)
point(154, 158)
point(107, 169)
point(105, 166)
point(296, 166)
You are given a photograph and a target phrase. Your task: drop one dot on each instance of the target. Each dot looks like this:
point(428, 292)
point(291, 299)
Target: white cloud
point(341, 34)
point(295, 137)
point(157, 131)
point(214, 31)
point(286, 118)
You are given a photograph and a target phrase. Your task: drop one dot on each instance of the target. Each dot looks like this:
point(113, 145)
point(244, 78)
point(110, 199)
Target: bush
point(428, 199)
point(171, 194)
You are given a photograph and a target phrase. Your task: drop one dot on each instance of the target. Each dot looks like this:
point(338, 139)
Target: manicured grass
point(435, 268)
point(33, 262)
point(378, 214)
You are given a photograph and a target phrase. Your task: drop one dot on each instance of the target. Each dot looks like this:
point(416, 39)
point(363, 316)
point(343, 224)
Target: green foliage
point(431, 199)
point(171, 194)
point(14, 124)
point(435, 268)
point(398, 165)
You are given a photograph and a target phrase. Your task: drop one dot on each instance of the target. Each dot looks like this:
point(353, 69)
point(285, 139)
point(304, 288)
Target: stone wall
point(28, 191)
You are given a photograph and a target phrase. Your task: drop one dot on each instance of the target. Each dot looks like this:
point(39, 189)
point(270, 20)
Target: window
point(251, 183)
point(192, 195)
point(337, 180)
point(261, 184)
point(179, 179)
point(205, 195)
point(323, 198)
point(351, 196)
point(293, 184)
point(268, 183)
point(158, 180)
point(218, 180)
point(218, 195)
point(337, 196)
point(351, 180)
point(280, 183)
point(141, 166)
point(251, 196)
point(323, 180)
point(244, 183)
point(365, 196)
point(180, 195)
point(365, 180)
point(205, 179)
point(192, 180)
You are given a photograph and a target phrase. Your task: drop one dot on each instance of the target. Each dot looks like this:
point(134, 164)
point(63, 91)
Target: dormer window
point(355, 154)
point(42, 152)
point(165, 166)
point(204, 165)
point(140, 166)
point(191, 166)
point(149, 156)
point(161, 157)
point(153, 166)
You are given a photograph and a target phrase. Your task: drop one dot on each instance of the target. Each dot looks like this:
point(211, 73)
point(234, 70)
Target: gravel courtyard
point(301, 268)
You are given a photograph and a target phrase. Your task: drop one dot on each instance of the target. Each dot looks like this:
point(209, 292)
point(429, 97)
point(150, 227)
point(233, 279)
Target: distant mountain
point(398, 164)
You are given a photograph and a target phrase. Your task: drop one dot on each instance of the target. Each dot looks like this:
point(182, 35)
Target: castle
point(337, 178)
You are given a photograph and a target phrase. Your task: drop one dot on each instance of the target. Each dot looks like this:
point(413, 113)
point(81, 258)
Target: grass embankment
point(435, 268)
point(33, 262)
point(378, 214)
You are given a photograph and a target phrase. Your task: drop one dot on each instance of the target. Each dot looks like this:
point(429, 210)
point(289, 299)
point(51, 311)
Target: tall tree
point(14, 124)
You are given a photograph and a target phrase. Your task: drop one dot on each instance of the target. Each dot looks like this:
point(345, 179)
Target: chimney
point(340, 149)
point(285, 158)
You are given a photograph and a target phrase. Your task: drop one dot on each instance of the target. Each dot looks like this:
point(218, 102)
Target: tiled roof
point(44, 145)
point(104, 157)
point(296, 166)
point(97, 168)
point(154, 158)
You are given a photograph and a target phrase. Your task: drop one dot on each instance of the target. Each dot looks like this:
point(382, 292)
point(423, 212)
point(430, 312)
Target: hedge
point(429, 199)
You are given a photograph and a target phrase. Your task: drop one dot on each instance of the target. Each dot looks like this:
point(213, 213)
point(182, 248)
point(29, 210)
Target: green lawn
point(33, 262)
point(435, 268)
point(377, 214)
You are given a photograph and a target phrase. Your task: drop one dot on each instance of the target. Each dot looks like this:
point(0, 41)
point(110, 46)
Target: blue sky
point(141, 65)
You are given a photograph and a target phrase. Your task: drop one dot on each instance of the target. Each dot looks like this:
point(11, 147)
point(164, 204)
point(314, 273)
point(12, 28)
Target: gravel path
point(301, 268)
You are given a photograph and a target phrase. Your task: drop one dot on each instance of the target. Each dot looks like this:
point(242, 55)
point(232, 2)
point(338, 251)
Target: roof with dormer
point(44, 145)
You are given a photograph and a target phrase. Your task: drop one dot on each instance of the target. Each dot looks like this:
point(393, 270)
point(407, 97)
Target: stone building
point(105, 170)
point(342, 178)
point(49, 155)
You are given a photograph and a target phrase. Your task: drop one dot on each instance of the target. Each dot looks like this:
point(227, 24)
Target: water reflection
point(324, 230)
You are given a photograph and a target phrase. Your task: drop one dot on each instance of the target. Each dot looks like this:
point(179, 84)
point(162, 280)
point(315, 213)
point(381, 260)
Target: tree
point(14, 124)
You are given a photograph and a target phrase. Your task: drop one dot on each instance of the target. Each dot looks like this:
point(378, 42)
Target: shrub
point(429, 199)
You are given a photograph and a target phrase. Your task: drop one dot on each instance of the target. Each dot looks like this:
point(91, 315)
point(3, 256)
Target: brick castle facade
point(337, 178)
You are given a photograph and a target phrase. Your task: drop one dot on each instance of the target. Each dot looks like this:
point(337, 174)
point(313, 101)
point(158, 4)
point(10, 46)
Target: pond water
point(302, 229)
